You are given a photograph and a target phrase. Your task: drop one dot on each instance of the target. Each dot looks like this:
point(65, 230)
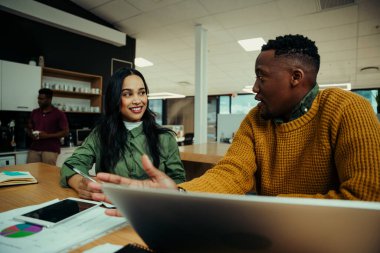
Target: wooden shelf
point(74, 85)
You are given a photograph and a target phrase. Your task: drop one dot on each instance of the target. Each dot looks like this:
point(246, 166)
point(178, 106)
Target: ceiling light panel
point(141, 62)
point(253, 44)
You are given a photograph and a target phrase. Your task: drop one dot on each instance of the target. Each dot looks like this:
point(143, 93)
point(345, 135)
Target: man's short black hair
point(47, 92)
point(295, 46)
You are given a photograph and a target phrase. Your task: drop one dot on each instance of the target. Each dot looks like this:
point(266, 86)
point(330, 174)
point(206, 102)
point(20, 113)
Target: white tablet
point(58, 212)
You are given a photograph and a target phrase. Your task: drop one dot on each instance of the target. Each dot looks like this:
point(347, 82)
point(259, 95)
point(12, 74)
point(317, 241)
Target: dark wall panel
point(23, 40)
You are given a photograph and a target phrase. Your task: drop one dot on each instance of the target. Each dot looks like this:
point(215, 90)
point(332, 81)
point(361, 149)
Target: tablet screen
point(59, 211)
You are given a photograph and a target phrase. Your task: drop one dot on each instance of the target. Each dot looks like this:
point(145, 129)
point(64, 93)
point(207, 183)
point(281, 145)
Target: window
point(224, 105)
point(370, 95)
point(242, 104)
point(156, 106)
point(211, 118)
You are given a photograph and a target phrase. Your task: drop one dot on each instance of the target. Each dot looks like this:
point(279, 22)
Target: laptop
point(170, 221)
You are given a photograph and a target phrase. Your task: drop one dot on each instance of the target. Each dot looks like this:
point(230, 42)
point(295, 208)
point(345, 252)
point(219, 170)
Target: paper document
point(16, 177)
point(18, 237)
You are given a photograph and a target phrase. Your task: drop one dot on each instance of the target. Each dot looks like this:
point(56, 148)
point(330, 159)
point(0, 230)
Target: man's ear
point(297, 76)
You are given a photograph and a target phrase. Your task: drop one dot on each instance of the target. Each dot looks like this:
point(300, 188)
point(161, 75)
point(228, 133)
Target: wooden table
point(198, 158)
point(48, 188)
point(203, 153)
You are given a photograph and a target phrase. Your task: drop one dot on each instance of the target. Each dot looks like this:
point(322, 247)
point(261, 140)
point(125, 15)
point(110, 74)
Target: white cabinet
point(65, 153)
point(21, 157)
point(19, 86)
point(1, 74)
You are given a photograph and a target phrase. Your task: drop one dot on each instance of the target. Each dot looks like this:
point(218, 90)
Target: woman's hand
point(158, 179)
point(81, 185)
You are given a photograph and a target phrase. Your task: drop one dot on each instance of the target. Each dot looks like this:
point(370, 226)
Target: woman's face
point(133, 99)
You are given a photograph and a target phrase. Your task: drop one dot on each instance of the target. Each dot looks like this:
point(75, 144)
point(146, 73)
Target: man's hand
point(158, 179)
point(43, 135)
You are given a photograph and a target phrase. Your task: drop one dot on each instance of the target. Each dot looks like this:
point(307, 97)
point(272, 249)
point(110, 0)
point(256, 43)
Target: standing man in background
point(46, 126)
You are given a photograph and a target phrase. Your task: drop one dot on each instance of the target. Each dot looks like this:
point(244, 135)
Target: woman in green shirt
point(126, 131)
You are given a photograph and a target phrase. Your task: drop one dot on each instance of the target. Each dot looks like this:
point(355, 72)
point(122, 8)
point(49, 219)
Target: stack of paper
point(18, 237)
point(16, 177)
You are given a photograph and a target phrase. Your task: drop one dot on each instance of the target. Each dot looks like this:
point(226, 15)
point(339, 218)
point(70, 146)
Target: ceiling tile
point(116, 11)
point(181, 11)
point(251, 15)
point(369, 27)
point(89, 4)
point(164, 32)
point(369, 41)
point(149, 5)
point(138, 24)
point(294, 8)
point(369, 52)
point(333, 45)
point(265, 30)
point(333, 33)
point(217, 6)
point(366, 62)
point(369, 10)
point(324, 19)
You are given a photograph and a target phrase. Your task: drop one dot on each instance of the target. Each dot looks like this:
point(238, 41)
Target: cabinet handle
point(22, 107)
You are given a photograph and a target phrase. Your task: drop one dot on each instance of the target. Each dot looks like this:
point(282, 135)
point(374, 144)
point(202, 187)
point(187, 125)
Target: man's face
point(43, 101)
point(273, 86)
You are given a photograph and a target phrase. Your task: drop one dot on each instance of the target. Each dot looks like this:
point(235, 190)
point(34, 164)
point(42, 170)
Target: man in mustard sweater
point(298, 142)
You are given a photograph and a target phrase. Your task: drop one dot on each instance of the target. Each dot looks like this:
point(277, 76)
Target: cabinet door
point(19, 86)
point(21, 157)
point(1, 90)
point(65, 153)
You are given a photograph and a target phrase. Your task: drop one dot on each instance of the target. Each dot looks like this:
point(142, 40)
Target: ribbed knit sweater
point(333, 152)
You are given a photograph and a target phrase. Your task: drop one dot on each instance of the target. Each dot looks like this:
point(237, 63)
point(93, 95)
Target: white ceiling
point(348, 38)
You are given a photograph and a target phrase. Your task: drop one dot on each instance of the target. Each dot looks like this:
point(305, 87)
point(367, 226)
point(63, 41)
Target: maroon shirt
point(49, 122)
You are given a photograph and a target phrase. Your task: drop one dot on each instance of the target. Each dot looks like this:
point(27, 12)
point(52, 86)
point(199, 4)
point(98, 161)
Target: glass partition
point(371, 95)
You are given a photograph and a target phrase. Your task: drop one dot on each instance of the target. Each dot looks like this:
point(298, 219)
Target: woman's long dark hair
point(111, 130)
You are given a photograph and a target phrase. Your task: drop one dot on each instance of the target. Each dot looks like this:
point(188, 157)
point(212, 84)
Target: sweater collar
point(303, 107)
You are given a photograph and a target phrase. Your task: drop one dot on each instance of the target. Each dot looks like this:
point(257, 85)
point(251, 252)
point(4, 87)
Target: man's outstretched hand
point(157, 179)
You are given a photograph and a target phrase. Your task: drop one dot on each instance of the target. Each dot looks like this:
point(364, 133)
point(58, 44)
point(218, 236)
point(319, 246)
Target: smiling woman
point(133, 99)
point(126, 131)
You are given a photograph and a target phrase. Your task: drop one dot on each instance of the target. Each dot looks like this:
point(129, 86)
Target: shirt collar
point(52, 108)
point(303, 106)
point(131, 125)
point(134, 130)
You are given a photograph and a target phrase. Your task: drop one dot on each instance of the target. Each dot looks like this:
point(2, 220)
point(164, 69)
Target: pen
point(107, 205)
point(79, 172)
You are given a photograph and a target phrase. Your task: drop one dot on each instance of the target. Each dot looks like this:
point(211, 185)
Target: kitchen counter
point(23, 150)
point(20, 155)
point(17, 151)
point(17, 156)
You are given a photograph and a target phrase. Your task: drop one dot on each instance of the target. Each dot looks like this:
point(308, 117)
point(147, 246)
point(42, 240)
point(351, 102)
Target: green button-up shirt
point(129, 164)
point(303, 106)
